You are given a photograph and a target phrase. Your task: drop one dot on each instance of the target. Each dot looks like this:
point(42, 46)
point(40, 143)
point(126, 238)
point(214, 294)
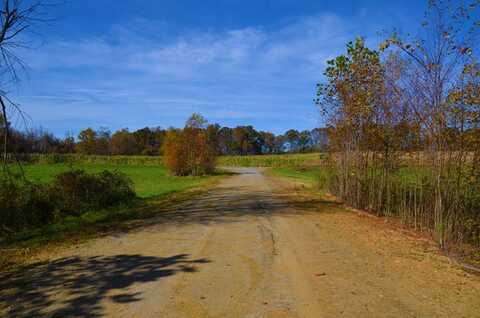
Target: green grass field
point(149, 181)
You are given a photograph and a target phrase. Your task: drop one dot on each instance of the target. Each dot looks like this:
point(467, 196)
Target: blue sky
point(137, 63)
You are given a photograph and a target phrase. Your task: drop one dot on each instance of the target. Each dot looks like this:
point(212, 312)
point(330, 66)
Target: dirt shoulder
point(253, 246)
point(375, 269)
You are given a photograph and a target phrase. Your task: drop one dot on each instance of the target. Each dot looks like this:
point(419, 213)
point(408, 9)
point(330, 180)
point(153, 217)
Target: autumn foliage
point(188, 151)
point(404, 121)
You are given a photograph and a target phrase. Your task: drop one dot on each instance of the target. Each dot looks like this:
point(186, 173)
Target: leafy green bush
point(76, 191)
point(23, 205)
point(26, 205)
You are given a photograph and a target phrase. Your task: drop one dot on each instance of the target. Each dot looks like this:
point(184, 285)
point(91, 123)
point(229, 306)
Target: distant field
point(281, 160)
point(89, 159)
point(149, 181)
point(284, 160)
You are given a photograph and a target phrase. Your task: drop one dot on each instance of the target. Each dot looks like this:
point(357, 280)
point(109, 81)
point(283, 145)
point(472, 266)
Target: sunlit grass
point(304, 175)
point(148, 180)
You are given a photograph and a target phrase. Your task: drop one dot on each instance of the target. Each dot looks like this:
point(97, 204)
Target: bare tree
point(16, 18)
point(437, 65)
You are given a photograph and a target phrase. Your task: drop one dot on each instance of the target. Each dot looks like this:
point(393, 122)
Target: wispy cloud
point(134, 78)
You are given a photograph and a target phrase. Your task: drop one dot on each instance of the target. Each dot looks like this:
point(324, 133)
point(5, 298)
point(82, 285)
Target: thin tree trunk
point(5, 135)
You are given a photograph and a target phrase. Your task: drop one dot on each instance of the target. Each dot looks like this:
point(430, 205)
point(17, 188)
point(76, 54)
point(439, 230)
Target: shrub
point(23, 204)
point(26, 205)
point(117, 188)
point(76, 191)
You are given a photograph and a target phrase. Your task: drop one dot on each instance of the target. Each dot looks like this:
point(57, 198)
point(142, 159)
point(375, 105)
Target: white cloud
point(310, 40)
point(265, 73)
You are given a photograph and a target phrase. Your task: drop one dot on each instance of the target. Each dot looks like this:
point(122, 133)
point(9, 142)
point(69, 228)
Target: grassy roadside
point(157, 192)
point(303, 178)
point(308, 176)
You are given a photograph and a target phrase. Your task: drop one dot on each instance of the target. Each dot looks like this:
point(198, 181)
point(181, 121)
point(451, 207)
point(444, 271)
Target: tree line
point(240, 140)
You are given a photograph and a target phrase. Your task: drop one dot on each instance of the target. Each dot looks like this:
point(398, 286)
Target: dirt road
point(247, 248)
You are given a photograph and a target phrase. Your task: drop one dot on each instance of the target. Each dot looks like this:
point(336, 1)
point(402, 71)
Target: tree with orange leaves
point(187, 151)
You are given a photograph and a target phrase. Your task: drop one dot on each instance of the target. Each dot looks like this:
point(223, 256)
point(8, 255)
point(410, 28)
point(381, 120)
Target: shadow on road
point(231, 204)
point(82, 283)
